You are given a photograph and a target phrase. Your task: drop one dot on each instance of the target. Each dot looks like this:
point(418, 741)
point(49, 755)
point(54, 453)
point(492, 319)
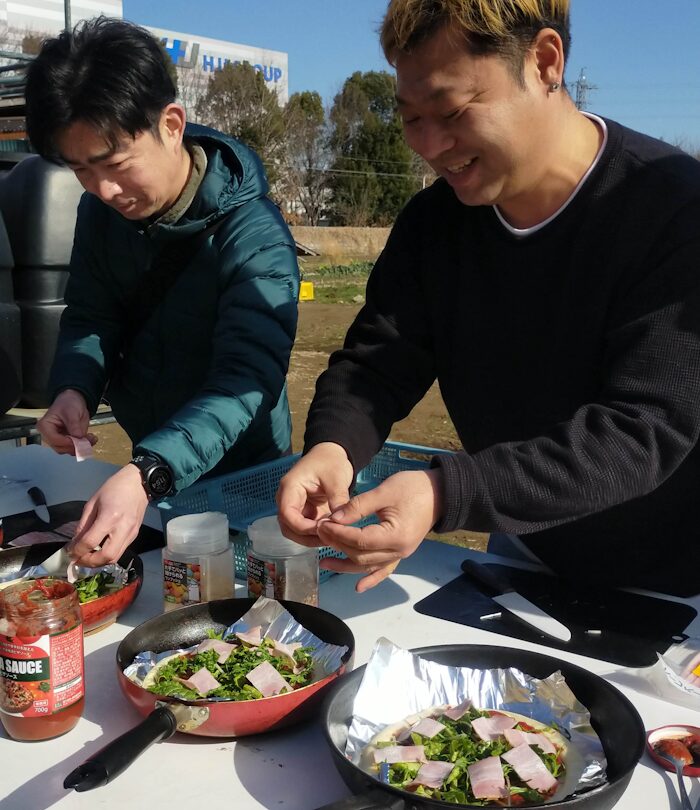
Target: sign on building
point(197, 58)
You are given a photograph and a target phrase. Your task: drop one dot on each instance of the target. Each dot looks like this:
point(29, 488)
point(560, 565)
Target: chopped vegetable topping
point(95, 586)
point(231, 674)
point(475, 770)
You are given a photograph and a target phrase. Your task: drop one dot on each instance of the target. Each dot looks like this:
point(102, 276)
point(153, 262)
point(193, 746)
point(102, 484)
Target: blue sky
point(643, 55)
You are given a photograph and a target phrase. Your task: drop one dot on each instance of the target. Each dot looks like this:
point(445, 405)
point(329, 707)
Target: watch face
point(160, 481)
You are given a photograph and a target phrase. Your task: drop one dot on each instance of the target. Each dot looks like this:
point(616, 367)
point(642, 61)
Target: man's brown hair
point(503, 28)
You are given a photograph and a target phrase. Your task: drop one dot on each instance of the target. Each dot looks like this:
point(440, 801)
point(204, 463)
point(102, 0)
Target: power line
point(373, 160)
point(345, 171)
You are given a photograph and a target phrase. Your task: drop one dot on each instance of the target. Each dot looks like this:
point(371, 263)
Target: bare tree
point(354, 208)
point(305, 178)
point(192, 85)
point(239, 103)
point(688, 146)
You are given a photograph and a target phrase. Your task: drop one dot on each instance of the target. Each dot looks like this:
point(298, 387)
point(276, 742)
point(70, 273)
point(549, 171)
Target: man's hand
point(68, 416)
point(316, 485)
point(408, 505)
point(111, 519)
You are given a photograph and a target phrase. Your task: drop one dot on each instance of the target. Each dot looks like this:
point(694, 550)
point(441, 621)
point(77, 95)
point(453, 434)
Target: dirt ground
point(321, 330)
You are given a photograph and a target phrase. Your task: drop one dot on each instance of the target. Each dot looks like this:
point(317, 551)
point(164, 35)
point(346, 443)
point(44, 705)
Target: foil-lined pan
point(276, 623)
point(398, 684)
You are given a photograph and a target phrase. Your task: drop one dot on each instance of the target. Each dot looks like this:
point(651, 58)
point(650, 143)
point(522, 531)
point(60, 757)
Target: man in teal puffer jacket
point(181, 305)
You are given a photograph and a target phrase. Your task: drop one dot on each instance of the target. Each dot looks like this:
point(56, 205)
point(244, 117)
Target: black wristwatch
point(157, 478)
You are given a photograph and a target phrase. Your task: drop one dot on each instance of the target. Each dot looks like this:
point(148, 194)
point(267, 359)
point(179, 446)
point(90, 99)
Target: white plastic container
point(198, 560)
point(278, 567)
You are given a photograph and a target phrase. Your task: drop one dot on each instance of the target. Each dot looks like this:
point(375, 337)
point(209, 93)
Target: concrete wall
point(350, 243)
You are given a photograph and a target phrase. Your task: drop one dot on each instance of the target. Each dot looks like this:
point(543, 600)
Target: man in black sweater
point(550, 281)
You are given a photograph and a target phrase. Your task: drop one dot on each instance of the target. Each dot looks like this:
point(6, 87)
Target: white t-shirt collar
point(523, 232)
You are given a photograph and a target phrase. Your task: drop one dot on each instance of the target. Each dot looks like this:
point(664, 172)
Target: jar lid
point(267, 538)
point(205, 533)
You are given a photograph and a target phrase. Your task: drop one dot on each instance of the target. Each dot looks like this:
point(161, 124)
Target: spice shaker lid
point(267, 538)
point(205, 533)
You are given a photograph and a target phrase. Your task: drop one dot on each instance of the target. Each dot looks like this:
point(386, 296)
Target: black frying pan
point(614, 719)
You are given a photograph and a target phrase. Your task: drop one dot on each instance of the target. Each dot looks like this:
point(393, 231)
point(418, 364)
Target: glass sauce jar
point(42, 667)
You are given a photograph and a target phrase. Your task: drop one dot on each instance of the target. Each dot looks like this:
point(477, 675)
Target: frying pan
point(186, 627)
point(613, 717)
point(98, 613)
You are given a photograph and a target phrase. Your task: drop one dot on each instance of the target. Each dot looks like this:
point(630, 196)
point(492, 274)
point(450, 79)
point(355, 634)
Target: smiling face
point(471, 120)
point(140, 176)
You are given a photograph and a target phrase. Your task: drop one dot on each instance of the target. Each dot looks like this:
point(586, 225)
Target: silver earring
point(554, 86)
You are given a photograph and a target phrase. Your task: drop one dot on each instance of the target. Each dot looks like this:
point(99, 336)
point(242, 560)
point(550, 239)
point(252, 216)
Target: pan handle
point(373, 800)
point(116, 756)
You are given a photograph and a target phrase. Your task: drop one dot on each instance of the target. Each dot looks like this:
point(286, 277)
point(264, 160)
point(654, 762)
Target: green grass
point(338, 283)
point(354, 268)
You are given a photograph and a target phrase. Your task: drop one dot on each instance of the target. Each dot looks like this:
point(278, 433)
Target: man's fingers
point(296, 514)
point(294, 525)
point(360, 506)
point(62, 445)
point(337, 498)
point(98, 548)
point(308, 540)
point(87, 518)
point(376, 577)
point(374, 574)
point(90, 540)
point(353, 540)
point(91, 534)
point(358, 564)
point(54, 438)
point(110, 552)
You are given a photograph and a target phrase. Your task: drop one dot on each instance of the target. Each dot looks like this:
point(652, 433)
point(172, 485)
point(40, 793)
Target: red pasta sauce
point(42, 676)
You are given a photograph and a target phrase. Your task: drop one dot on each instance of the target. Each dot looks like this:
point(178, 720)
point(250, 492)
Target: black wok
point(613, 717)
point(185, 627)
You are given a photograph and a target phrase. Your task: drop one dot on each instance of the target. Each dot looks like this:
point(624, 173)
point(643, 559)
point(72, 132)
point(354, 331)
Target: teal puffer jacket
point(202, 384)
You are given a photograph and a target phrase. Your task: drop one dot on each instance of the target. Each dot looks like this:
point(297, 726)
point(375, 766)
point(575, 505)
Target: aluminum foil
point(424, 684)
point(276, 622)
point(121, 575)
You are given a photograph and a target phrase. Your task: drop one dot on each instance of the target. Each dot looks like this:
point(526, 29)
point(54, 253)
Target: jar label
point(181, 583)
point(41, 675)
point(263, 579)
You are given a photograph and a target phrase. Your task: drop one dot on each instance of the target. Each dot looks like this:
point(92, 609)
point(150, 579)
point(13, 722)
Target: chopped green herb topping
point(459, 743)
point(232, 673)
point(94, 587)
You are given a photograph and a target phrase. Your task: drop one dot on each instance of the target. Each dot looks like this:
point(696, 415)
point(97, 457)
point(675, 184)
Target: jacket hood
point(234, 176)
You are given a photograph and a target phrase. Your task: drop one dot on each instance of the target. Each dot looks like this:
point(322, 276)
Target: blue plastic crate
point(249, 494)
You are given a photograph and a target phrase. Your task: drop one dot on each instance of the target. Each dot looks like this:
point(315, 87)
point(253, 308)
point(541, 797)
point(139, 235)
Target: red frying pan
point(184, 628)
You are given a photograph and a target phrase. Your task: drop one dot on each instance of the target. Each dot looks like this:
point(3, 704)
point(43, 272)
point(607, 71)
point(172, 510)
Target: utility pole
point(582, 90)
point(66, 12)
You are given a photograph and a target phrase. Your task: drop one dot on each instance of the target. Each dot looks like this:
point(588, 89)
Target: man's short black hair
point(109, 73)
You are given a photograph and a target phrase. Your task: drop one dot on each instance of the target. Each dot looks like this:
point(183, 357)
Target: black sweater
point(569, 362)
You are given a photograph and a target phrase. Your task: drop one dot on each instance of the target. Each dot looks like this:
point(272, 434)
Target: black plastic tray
point(16, 525)
point(612, 625)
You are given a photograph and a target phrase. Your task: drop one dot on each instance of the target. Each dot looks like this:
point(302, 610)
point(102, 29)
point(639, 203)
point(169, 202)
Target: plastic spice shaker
point(278, 567)
point(198, 560)
point(42, 668)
